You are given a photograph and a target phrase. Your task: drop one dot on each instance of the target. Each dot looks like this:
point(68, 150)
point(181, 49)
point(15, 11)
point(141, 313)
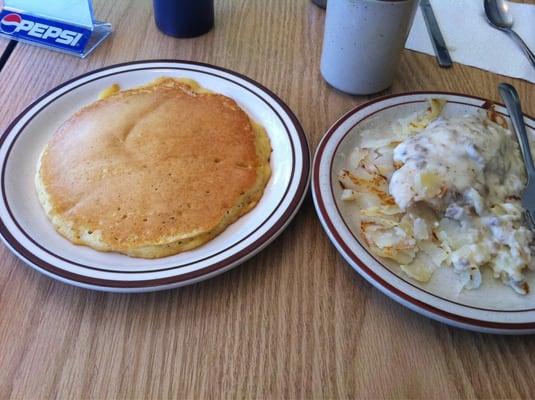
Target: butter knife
point(441, 51)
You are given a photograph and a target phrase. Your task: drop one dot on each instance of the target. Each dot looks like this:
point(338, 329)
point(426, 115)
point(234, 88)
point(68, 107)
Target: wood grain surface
point(3, 45)
point(295, 321)
point(5, 50)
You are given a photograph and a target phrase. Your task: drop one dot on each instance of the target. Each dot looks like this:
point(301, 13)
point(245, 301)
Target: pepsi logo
point(10, 22)
point(38, 29)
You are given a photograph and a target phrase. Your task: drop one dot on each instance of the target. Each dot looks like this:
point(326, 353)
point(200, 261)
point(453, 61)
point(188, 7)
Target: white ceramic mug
point(363, 41)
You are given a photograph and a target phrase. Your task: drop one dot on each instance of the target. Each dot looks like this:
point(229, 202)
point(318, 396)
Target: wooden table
point(3, 45)
point(295, 321)
point(6, 47)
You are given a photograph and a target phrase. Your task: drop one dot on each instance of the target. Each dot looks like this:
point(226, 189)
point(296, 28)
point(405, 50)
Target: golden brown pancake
point(153, 171)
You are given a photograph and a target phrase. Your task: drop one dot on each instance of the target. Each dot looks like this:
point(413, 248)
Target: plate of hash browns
point(420, 193)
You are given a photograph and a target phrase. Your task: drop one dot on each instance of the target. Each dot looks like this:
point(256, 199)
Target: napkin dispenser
point(68, 26)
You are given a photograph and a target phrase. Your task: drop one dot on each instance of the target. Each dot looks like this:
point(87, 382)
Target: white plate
point(493, 308)
point(28, 233)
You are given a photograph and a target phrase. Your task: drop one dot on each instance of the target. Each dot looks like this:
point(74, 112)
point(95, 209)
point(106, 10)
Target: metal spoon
point(498, 15)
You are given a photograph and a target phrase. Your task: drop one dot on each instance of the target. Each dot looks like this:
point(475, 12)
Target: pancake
point(153, 171)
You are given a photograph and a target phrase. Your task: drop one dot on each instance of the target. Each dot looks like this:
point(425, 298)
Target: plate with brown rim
point(25, 229)
point(493, 308)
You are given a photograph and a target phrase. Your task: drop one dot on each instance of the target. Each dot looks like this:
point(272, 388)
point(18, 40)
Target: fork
point(512, 103)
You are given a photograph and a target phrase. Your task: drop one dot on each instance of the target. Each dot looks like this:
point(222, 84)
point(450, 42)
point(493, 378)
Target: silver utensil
point(499, 16)
point(512, 102)
point(441, 51)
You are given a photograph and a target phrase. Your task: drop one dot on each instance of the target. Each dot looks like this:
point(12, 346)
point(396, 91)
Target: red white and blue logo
point(44, 31)
point(10, 23)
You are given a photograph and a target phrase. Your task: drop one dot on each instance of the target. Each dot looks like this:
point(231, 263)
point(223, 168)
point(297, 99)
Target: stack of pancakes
point(153, 171)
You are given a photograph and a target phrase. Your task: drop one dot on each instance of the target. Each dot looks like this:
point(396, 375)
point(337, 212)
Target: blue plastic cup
point(184, 18)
